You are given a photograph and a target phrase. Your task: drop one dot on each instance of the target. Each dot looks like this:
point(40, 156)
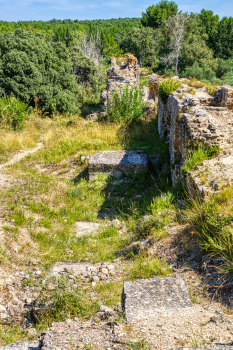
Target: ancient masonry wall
point(119, 76)
point(188, 120)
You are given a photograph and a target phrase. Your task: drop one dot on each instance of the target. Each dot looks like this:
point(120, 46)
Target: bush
point(127, 106)
point(31, 67)
point(199, 72)
point(12, 112)
point(166, 87)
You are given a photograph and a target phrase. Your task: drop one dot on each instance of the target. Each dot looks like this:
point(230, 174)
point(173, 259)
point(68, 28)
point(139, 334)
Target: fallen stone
point(84, 228)
point(21, 345)
point(117, 163)
point(145, 298)
point(83, 335)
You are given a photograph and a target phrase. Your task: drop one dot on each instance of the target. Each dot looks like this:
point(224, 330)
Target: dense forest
point(61, 64)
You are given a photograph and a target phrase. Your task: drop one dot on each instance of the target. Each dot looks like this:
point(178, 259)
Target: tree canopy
point(155, 15)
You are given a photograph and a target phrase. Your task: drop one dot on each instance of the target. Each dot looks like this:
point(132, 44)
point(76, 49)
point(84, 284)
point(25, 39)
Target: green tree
point(142, 42)
point(210, 23)
point(155, 15)
point(111, 47)
point(224, 46)
point(31, 67)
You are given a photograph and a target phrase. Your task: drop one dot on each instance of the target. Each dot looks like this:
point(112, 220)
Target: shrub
point(127, 106)
point(31, 67)
point(12, 112)
point(199, 155)
point(166, 87)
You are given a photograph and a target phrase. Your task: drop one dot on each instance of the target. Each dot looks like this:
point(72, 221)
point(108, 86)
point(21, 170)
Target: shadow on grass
point(132, 195)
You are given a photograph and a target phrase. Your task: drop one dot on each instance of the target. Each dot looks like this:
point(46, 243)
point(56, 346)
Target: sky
point(25, 10)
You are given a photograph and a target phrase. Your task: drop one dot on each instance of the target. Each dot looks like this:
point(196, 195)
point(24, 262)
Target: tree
point(156, 14)
point(142, 42)
point(31, 67)
point(209, 22)
point(111, 47)
point(176, 26)
point(224, 46)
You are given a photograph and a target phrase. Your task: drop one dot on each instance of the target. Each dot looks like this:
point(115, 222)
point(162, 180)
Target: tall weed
point(127, 106)
point(12, 112)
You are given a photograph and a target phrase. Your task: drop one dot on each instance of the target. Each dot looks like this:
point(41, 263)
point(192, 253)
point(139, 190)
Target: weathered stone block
point(21, 345)
point(145, 298)
point(117, 163)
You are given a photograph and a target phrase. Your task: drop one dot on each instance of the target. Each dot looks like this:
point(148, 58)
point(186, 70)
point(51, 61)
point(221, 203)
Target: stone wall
point(190, 117)
point(119, 76)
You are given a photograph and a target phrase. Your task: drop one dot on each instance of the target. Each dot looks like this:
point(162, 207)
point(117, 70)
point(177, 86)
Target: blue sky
point(16, 10)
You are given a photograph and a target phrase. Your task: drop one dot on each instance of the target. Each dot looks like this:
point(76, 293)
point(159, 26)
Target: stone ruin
point(190, 117)
point(118, 76)
point(117, 163)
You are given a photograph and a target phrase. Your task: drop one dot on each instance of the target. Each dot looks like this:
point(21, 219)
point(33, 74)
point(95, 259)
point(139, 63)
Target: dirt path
point(22, 154)
point(7, 180)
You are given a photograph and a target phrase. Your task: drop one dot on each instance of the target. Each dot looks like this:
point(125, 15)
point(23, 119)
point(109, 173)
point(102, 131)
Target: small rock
point(2, 309)
point(105, 270)
point(83, 159)
point(28, 301)
point(38, 273)
point(104, 308)
point(95, 279)
point(32, 333)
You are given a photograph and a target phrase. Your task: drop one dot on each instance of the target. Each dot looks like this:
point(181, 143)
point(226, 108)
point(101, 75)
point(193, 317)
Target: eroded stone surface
point(208, 347)
point(21, 345)
point(117, 163)
point(211, 176)
point(82, 335)
point(145, 298)
point(85, 228)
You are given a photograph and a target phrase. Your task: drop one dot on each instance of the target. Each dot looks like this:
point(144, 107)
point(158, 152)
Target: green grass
point(144, 267)
point(64, 302)
point(212, 223)
point(166, 87)
point(47, 205)
point(11, 334)
point(198, 156)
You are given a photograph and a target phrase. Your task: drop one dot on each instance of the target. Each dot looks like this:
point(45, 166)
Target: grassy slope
point(47, 203)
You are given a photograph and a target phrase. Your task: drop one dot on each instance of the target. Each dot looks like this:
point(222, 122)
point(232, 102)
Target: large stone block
point(143, 299)
point(117, 163)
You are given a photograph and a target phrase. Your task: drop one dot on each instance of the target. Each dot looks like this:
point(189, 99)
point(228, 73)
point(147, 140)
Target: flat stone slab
point(145, 298)
point(117, 163)
point(85, 228)
point(21, 345)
